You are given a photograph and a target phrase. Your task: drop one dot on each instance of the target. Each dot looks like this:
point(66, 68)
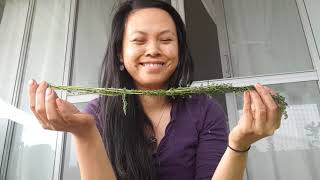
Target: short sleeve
point(213, 138)
point(92, 108)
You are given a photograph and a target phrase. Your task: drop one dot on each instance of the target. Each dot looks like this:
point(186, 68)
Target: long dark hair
point(126, 141)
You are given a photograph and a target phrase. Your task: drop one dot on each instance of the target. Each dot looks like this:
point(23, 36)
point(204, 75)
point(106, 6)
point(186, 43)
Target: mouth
point(152, 64)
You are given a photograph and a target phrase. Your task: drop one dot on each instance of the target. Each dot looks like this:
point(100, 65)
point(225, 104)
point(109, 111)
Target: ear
point(120, 58)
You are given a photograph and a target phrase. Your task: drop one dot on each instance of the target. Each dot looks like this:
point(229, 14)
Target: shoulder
point(91, 107)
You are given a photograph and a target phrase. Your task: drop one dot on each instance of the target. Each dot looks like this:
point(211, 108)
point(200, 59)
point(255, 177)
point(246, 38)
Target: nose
point(153, 49)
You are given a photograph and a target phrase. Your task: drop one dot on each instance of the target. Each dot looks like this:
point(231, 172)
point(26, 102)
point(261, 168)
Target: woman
point(159, 137)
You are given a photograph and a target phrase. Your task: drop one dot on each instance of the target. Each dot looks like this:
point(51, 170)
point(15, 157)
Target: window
point(12, 25)
point(33, 151)
point(271, 42)
point(266, 36)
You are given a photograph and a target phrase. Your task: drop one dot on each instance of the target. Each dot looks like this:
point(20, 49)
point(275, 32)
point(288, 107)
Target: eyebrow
point(162, 32)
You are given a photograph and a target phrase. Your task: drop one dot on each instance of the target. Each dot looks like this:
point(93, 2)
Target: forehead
point(149, 20)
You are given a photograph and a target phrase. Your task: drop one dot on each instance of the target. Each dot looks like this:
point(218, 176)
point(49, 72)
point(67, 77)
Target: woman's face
point(150, 48)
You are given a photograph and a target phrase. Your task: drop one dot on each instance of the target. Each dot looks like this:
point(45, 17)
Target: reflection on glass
point(94, 23)
point(265, 36)
point(296, 144)
point(32, 152)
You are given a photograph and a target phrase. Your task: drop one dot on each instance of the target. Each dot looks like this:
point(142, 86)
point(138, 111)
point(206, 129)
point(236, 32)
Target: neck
point(153, 103)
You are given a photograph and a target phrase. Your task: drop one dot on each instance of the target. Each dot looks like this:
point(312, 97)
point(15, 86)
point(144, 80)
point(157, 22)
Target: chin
point(152, 84)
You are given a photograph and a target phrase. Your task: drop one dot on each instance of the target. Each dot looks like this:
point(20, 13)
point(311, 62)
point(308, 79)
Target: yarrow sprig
point(210, 90)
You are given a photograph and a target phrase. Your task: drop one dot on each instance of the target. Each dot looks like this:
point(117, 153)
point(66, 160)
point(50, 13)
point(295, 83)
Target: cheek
point(131, 54)
point(172, 53)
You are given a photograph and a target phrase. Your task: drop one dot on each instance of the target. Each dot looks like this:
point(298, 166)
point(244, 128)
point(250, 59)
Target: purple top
point(194, 142)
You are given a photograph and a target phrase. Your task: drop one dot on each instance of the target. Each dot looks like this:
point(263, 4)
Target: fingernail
point(31, 82)
point(258, 85)
point(48, 91)
point(43, 83)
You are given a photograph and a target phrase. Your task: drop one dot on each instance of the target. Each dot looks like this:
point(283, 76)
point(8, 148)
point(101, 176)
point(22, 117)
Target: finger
point(260, 116)
point(271, 91)
point(277, 115)
point(32, 87)
point(51, 110)
point(247, 120)
point(267, 99)
point(66, 110)
point(75, 118)
point(40, 102)
point(66, 107)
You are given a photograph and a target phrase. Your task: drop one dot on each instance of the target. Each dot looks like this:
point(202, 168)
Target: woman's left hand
point(261, 117)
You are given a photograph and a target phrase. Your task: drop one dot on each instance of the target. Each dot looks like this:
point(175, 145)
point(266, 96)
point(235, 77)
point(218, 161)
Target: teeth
point(152, 65)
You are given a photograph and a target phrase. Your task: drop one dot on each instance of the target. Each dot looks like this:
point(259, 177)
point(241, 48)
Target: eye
point(138, 41)
point(167, 40)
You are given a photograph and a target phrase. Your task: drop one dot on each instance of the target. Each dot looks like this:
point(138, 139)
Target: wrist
point(238, 146)
point(239, 150)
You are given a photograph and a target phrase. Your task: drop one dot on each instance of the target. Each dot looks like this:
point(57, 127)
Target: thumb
point(66, 107)
point(71, 114)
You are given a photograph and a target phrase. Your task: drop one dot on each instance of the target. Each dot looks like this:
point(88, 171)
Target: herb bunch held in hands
point(210, 90)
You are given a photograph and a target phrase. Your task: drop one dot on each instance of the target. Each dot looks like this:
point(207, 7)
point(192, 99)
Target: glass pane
point(12, 22)
point(11, 34)
point(203, 40)
point(265, 36)
point(296, 144)
point(33, 150)
point(93, 26)
point(71, 169)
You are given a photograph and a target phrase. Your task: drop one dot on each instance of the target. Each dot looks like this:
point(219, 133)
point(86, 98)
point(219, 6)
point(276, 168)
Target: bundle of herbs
point(209, 90)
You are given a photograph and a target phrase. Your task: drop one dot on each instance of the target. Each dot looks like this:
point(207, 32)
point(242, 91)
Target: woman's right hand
point(56, 114)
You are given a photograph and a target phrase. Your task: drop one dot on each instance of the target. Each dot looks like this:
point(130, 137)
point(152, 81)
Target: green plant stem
point(210, 90)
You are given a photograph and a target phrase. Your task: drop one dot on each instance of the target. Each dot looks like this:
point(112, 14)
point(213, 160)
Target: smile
point(152, 64)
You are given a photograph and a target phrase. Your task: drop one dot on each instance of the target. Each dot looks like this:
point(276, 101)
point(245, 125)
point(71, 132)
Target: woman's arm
point(92, 157)
point(59, 115)
point(261, 117)
point(231, 166)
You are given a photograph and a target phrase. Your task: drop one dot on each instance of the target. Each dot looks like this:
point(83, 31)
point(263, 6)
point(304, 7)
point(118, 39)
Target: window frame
point(266, 79)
